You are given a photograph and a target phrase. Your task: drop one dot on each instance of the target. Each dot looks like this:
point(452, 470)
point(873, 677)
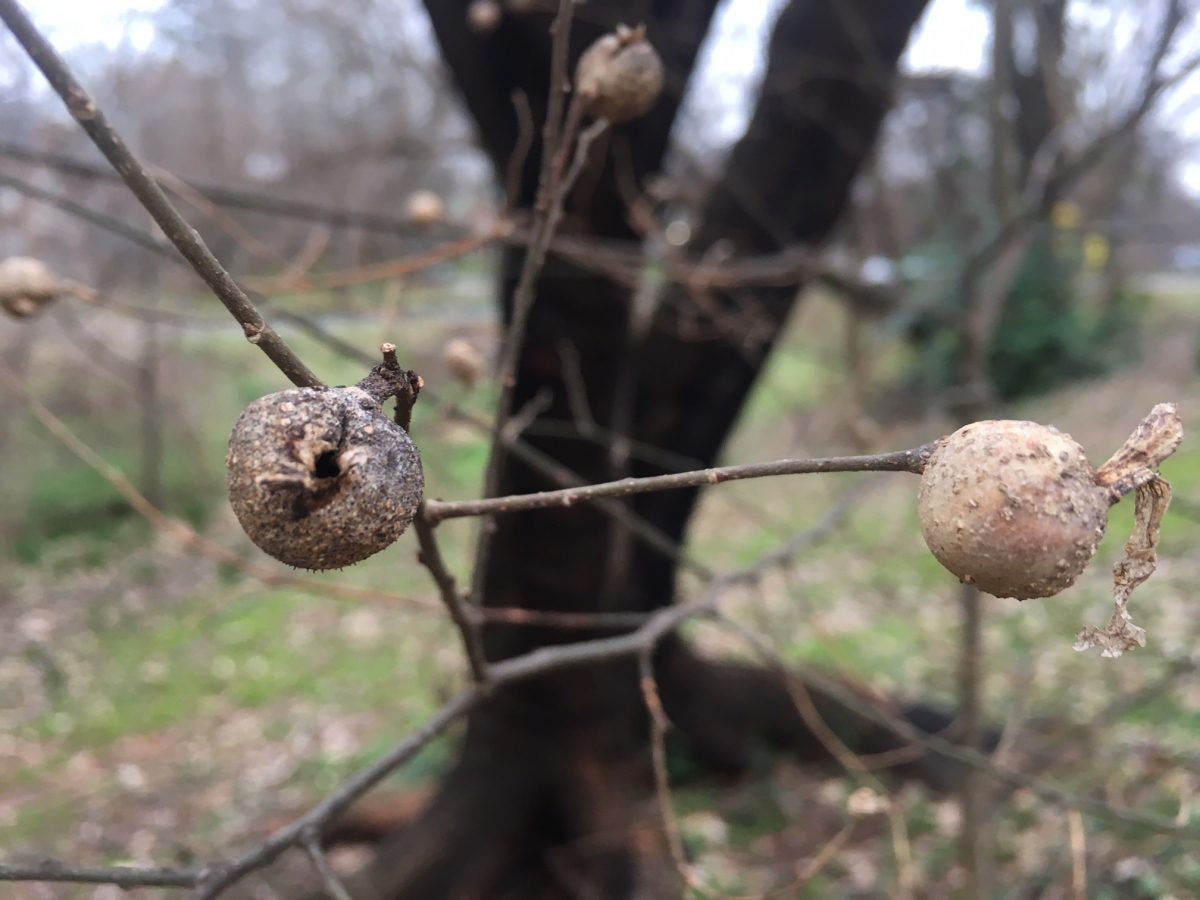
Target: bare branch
point(269, 850)
point(1048, 791)
point(384, 271)
point(430, 556)
point(185, 238)
point(516, 162)
point(333, 884)
point(53, 871)
point(659, 723)
point(898, 461)
point(536, 663)
point(548, 204)
point(249, 201)
point(517, 615)
point(1078, 854)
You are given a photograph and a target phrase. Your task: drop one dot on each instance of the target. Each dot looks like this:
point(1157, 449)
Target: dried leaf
point(1136, 564)
point(1156, 437)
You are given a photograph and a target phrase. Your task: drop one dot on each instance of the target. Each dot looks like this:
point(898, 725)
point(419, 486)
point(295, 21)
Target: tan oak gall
point(463, 361)
point(620, 76)
point(26, 286)
point(1012, 508)
point(321, 478)
point(483, 16)
point(425, 208)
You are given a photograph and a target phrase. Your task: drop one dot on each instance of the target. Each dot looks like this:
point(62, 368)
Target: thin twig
point(516, 162)
point(248, 201)
point(516, 615)
point(311, 841)
point(241, 236)
point(128, 877)
point(549, 198)
point(912, 460)
point(620, 260)
point(560, 47)
point(533, 664)
point(350, 790)
point(973, 790)
point(384, 271)
point(102, 220)
point(578, 163)
point(1048, 791)
point(1078, 854)
point(831, 849)
point(185, 238)
point(430, 556)
point(659, 723)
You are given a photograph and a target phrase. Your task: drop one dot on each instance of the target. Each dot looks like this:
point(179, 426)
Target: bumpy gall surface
point(322, 478)
point(1012, 507)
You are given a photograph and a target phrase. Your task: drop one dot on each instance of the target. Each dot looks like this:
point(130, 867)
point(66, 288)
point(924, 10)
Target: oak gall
point(1012, 508)
point(26, 286)
point(425, 208)
point(321, 478)
point(483, 16)
point(620, 76)
point(463, 361)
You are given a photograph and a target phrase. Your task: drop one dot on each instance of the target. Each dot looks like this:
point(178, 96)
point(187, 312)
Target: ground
point(157, 707)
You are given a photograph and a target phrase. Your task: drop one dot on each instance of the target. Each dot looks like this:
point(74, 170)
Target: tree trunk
point(547, 797)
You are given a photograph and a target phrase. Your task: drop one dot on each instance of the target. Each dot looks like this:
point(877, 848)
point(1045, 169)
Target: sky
point(953, 34)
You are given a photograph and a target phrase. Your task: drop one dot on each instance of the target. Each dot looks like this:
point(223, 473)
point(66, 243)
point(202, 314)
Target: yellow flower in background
point(1066, 216)
point(1095, 252)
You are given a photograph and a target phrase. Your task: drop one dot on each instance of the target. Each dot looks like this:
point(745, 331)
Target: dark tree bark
point(547, 794)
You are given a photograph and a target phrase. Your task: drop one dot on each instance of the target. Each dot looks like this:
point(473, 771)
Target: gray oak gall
point(321, 478)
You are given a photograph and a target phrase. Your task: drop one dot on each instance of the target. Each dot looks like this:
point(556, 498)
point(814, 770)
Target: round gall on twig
point(620, 76)
point(1012, 508)
point(321, 478)
point(425, 208)
point(483, 16)
point(27, 285)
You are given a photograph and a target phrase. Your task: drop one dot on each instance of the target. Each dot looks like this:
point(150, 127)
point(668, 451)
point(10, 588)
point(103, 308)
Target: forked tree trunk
point(546, 799)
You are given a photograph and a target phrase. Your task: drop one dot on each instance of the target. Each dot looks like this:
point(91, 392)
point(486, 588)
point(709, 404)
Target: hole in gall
point(327, 465)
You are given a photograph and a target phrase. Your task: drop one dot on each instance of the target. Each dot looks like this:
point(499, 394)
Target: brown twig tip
point(634, 34)
point(389, 379)
point(921, 455)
